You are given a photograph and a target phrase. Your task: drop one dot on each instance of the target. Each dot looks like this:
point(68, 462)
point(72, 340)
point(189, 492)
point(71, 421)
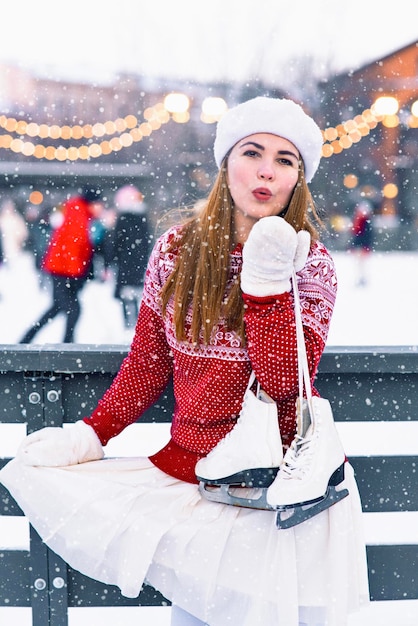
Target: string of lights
point(128, 130)
point(343, 136)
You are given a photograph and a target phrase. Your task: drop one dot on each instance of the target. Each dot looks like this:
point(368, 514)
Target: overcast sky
point(218, 39)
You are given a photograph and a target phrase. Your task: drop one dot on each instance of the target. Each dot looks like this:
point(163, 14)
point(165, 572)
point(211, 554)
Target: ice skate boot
point(312, 467)
point(249, 456)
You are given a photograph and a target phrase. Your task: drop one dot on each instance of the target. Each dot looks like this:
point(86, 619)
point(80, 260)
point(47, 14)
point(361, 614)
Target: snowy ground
point(383, 312)
point(23, 300)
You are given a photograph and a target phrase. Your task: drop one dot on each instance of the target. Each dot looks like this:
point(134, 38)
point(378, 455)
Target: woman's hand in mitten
point(55, 447)
point(273, 249)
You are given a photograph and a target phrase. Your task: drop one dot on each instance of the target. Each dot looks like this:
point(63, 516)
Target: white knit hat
point(279, 117)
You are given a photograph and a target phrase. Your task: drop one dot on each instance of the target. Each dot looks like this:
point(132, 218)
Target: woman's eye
point(251, 153)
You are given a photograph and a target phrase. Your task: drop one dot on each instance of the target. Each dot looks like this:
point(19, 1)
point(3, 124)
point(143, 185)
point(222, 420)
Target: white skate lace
point(297, 458)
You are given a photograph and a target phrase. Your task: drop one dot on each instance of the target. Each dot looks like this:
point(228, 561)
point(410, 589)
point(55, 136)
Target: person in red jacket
point(67, 260)
point(217, 305)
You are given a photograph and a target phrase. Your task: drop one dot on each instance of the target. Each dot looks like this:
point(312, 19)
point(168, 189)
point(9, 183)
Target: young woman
point(217, 305)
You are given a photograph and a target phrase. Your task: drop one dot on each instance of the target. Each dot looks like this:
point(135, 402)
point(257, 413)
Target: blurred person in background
point(101, 234)
point(362, 238)
point(39, 234)
point(68, 261)
point(130, 250)
point(14, 231)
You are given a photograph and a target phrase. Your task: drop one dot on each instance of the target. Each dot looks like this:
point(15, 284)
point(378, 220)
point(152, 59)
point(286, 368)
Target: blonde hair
point(201, 273)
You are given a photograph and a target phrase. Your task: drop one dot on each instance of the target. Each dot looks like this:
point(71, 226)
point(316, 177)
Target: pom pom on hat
point(280, 117)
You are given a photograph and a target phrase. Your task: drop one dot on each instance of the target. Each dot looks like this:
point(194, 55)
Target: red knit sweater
point(210, 381)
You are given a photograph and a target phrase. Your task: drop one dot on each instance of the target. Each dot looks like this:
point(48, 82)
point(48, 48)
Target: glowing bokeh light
point(386, 105)
point(177, 103)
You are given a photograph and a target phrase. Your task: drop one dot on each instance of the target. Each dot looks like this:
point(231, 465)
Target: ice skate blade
point(255, 478)
point(222, 494)
point(292, 515)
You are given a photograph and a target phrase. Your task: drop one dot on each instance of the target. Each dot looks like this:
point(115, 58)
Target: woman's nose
point(265, 172)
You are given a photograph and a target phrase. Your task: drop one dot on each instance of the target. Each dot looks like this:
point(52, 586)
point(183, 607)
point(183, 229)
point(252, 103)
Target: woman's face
point(262, 171)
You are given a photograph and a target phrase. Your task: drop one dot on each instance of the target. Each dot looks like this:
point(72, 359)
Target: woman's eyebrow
point(288, 153)
point(260, 147)
point(252, 143)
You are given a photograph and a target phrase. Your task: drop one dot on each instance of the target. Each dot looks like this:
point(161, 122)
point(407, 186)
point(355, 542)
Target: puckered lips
point(262, 193)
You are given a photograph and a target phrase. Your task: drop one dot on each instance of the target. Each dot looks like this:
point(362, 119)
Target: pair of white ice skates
point(298, 485)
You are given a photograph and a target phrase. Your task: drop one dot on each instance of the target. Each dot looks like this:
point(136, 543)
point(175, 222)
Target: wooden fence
point(374, 395)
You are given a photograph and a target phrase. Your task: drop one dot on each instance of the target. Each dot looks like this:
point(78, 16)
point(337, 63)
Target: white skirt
point(124, 522)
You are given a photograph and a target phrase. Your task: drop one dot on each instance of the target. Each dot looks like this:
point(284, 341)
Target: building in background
point(381, 166)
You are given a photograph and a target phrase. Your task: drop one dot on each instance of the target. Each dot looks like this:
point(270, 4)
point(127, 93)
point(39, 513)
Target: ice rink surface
point(381, 312)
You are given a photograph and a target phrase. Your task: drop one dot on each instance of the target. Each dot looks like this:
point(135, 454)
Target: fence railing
point(374, 395)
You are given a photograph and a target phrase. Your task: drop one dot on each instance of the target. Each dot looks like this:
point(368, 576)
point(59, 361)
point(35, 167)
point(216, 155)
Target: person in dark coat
point(130, 250)
point(39, 235)
point(68, 260)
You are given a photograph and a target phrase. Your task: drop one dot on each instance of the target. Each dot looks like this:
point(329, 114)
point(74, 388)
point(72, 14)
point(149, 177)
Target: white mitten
point(56, 447)
point(272, 250)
